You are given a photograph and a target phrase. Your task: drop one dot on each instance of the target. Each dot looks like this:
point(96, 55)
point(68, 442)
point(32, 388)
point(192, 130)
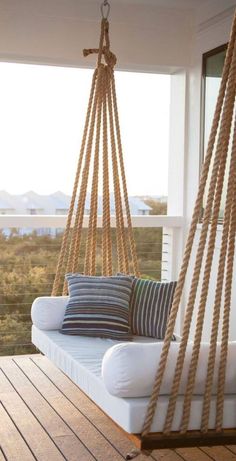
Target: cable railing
point(28, 261)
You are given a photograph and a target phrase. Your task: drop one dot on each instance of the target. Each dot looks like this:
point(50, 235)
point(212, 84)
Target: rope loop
point(105, 9)
point(104, 47)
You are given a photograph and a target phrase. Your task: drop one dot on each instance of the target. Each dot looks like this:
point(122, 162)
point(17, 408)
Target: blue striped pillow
point(98, 306)
point(150, 306)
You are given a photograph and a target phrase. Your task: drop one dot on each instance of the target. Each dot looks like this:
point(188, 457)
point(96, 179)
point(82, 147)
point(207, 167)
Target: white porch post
point(173, 238)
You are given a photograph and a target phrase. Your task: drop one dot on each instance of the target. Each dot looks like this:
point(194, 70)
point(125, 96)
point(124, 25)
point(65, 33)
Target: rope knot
point(104, 47)
point(110, 58)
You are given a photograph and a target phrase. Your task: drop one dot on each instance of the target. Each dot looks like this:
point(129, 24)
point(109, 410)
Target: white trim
point(216, 19)
point(59, 221)
point(77, 64)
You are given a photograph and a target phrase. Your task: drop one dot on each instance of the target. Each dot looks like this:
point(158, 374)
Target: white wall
point(144, 37)
point(213, 25)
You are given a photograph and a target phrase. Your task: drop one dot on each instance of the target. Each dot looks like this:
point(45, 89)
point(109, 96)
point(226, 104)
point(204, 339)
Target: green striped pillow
point(98, 306)
point(150, 306)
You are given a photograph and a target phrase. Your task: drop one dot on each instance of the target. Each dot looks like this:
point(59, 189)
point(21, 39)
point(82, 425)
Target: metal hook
point(105, 9)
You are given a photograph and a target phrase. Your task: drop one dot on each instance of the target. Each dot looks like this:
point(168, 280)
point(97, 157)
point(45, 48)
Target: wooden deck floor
point(45, 417)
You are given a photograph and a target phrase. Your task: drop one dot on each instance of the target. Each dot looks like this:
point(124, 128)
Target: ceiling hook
point(105, 9)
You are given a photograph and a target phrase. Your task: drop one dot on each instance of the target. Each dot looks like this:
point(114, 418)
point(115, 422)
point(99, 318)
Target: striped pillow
point(150, 306)
point(98, 306)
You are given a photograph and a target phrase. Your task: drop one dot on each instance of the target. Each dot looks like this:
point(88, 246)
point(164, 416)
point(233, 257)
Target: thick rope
point(90, 254)
point(204, 294)
point(211, 247)
point(123, 261)
point(100, 110)
point(218, 294)
point(100, 48)
point(65, 240)
point(123, 177)
point(226, 317)
point(73, 259)
point(78, 224)
point(188, 248)
point(106, 236)
point(217, 172)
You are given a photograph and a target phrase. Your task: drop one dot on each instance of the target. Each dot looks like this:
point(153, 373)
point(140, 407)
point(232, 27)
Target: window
point(212, 68)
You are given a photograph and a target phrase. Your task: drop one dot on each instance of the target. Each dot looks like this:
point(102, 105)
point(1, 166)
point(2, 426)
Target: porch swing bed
point(164, 393)
point(82, 359)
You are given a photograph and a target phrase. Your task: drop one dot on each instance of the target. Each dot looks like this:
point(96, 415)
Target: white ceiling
point(179, 4)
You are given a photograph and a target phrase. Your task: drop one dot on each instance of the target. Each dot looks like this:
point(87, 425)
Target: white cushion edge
point(47, 312)
point(129, 369)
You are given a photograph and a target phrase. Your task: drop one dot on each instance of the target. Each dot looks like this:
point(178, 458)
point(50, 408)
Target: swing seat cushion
point(129, 370)
point(81, 358)
point(98, 306)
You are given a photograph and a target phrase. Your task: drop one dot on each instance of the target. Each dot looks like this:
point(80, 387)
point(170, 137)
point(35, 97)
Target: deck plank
point(86, 406)
point(11, 440)
point(86, 431)
point(193, 454)
point(166, 455)
point(37, 439)
point(46, 416)
point(94, 414)
point(41, 433)
point(220, 453)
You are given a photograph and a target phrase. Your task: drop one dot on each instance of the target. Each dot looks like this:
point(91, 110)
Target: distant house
point(137, 206)
point(7, 205)
point(57, 203)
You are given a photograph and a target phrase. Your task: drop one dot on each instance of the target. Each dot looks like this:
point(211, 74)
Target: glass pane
point(213, 67)
point(213, 71)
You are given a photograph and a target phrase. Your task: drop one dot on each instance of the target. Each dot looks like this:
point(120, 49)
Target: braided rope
point(90, 253)
point(203, 297)
point(78, 224)
point(123, 177)
point(219, 287)
point(217, 175)
point(188, 248)
point(65, 239)
point(223, 145)
point(106, 237)
point(226, 316)
point(123, 261)
point(102, 36)
point(73, 259)
point(217, 169)
point(100, 111)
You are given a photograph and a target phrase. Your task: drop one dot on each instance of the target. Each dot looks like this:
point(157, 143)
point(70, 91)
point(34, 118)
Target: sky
point(42, 112)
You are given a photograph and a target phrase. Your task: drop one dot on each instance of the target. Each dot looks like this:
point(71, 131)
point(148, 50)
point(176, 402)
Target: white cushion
point(80, 357)
point(47, 312)
point(128, 369)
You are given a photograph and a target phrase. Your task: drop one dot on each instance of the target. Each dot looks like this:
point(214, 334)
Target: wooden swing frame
point(156, 440)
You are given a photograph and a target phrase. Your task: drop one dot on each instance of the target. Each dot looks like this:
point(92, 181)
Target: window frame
point(202, 145)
